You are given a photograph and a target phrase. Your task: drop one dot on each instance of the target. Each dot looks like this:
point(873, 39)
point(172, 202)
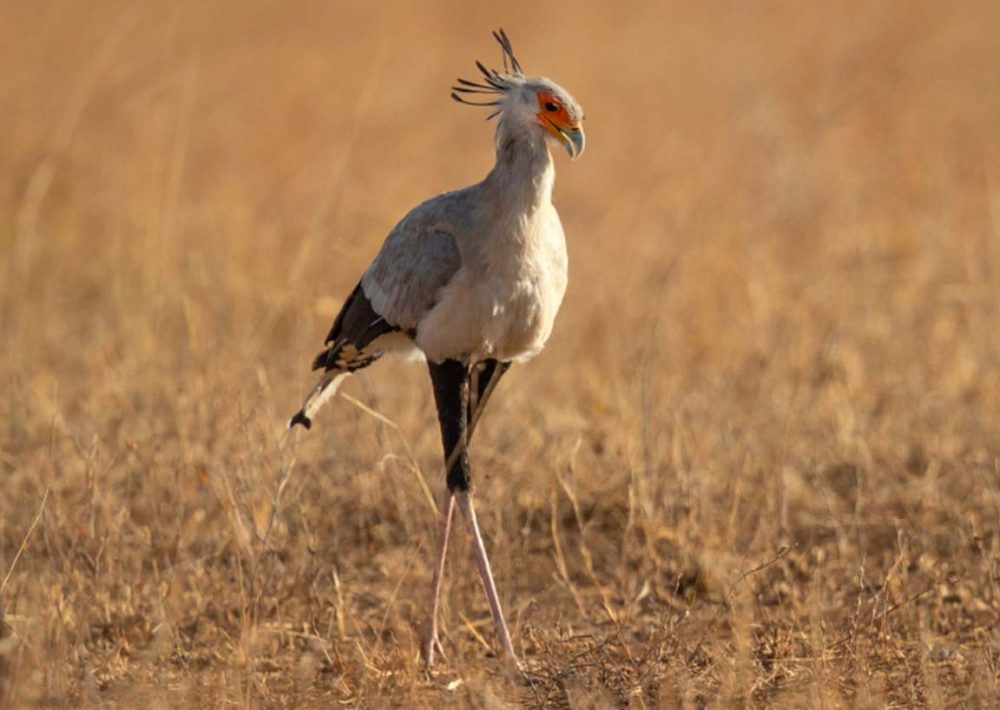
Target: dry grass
point(757, 465)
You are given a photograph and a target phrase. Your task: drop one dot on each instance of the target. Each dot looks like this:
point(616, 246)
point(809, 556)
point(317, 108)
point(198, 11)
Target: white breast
point(503, 301)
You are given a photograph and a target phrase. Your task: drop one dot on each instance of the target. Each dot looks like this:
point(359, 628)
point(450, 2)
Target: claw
point(431, 646)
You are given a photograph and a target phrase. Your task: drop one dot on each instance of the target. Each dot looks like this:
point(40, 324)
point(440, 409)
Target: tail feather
point(320, 395)
point(350, 347)
point(321, 360)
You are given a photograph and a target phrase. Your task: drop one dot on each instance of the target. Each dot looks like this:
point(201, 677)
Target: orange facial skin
point(559, 117)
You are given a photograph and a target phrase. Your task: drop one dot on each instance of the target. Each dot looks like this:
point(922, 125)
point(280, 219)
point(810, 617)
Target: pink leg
point(431, 643)
point(483, 562)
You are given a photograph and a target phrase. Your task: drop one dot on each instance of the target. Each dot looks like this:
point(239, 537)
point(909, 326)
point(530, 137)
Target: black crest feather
point(493, 82)
point(508, 53)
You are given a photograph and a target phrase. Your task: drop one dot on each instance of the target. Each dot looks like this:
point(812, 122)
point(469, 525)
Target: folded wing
point(416, 261)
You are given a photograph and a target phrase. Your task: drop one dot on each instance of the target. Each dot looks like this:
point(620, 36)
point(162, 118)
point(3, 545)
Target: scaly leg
point(483, 562)
point(432, 643)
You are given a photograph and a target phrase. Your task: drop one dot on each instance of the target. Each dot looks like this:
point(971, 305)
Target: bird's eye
point(551, 107)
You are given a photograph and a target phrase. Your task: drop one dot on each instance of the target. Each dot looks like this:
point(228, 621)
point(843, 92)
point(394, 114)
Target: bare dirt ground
point(757, 465)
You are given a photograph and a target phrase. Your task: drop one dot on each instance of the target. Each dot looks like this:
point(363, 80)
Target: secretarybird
point(472, 280)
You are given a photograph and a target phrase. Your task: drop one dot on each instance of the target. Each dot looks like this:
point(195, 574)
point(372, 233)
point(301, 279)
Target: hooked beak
point(572, 138)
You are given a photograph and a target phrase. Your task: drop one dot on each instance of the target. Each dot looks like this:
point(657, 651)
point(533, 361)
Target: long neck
point(523, 175)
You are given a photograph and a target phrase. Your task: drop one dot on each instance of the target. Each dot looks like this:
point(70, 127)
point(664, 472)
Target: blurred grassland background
point(756, 465)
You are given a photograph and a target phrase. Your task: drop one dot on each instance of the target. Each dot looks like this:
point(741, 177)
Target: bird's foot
point(513, 669)
point(430, 647)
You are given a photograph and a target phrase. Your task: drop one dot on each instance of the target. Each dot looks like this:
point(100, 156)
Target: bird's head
point(530, 104)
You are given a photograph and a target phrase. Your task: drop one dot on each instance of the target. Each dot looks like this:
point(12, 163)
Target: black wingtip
point(300, 418)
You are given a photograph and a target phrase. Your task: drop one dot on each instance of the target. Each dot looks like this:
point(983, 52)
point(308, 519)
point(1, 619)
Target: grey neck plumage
point(523, 176)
